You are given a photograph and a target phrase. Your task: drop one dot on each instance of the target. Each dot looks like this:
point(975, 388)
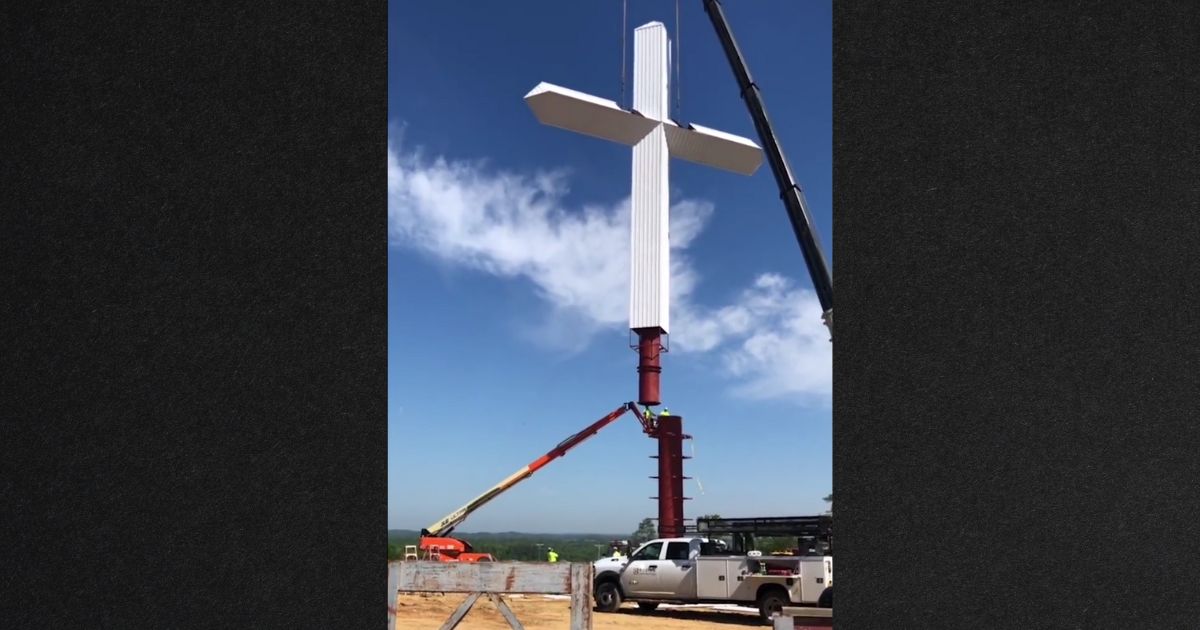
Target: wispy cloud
point(516, 225)
point(513, 226)
point(776, 344)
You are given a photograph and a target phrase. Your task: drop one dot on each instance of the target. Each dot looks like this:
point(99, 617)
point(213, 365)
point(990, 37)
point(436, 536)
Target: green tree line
point(523, 547)
point(570, 547)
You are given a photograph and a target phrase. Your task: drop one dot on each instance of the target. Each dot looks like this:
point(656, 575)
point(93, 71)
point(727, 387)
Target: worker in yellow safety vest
point(616, 553)
point(552, 555)
point(664, 412)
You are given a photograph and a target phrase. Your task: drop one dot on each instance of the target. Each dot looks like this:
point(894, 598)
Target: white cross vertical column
point(655, 139)
point(650, 260)
point(649, 302)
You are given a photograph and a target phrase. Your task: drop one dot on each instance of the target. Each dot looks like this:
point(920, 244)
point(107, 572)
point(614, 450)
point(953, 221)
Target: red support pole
point(649, 366)
point(670, 476)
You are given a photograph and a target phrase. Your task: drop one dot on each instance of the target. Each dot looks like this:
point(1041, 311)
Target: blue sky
point(508, 270)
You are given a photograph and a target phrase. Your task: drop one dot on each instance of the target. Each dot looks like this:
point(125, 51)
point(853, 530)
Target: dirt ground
point(416, 612)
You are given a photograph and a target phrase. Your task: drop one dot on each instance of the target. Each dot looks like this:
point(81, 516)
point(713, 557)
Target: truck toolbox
point(716, 577)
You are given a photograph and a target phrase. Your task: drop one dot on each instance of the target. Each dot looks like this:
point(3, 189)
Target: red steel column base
point(670, 476)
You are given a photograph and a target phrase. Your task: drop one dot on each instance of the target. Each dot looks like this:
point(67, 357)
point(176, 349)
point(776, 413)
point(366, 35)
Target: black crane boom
point(789, 191)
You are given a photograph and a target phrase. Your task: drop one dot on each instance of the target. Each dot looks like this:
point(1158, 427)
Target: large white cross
point(655, 138)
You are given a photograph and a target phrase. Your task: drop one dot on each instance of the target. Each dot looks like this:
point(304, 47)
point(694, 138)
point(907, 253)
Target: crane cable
point(624, 22)
point(678, 40)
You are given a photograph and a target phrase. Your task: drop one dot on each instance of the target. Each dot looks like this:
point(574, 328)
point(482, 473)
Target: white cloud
point(770, 340)
point(785, 350)
point(512, 226)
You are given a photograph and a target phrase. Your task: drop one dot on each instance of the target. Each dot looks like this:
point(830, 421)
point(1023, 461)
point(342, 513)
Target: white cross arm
point(713, 148)
point(586, 114)
point(601, 118)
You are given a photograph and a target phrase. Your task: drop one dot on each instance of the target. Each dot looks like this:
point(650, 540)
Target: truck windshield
point(649, 552)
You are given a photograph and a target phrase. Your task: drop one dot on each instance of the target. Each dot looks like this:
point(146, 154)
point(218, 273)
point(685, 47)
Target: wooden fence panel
point(494, 579)
point(486, 577)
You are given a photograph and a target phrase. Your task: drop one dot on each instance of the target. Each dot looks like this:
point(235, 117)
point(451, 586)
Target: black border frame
point(194, 289)
point(194, 279)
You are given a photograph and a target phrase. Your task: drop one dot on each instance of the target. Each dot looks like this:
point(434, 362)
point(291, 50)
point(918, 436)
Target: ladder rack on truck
point(814, 530)
point(769, 525)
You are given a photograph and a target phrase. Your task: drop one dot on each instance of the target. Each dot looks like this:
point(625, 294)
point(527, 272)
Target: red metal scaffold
point(668, 431)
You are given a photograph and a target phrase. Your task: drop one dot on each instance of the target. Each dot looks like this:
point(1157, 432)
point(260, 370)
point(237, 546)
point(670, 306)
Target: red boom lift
point(436, 541)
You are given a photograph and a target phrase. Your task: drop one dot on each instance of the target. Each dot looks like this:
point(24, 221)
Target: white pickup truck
point(697, 571)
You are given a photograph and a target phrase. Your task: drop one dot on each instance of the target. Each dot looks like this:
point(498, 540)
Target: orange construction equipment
point(446, 549)
point(436, 542)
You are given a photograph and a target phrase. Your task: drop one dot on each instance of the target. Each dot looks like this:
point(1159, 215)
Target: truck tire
point(771, 602)
point(647, 606)
point(608, 596)
point(826, 598)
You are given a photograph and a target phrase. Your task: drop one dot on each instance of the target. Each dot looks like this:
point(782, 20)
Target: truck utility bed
point(739, 578)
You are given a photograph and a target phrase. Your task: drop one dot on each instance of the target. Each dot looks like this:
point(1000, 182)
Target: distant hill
point(527, 546)
point(517, 545)
point(412, 534)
